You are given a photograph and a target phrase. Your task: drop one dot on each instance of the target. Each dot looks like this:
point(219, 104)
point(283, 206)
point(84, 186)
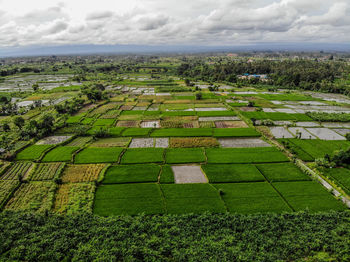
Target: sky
point(172, 22)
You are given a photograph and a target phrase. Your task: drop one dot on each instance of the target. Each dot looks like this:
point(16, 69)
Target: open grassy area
point(282, 172)
point(184, 155)
point(244, 155)
point(259, 197)
point(228, 173)
point(128, 199)
point(143, 155)
point(98, 155)
point(235, 132)
point(32, 152)
point(192, 198)
point(308, 195)
point(60, 154)
point(131, 174)
point(309, 149)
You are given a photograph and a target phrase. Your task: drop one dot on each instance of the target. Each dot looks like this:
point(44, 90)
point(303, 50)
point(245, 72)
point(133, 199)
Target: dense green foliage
point(225, 237)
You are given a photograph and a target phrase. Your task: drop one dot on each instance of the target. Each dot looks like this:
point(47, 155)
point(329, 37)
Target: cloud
point(99, 15)
point(204, 22)
point(152, 23)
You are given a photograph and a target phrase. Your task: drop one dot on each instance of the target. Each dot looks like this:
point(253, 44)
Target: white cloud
point(220, 22)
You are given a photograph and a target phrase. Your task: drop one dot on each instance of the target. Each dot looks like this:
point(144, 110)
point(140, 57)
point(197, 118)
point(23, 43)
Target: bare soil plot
point(307, 124)
point(332, 124)
point(111, 142)
point(172, 124)
point(219, 118)
point(141, 142)
point(211, 109)
point(162, 142)
point(150, 124)
point(137, 108)
point(285, 110)
point(280, 132)
point(188, 174)
point(282, 123)
point(342, 131)
point(230, 124)
point(126, 107)
point(268, 110)
point(82, 173)
point(53, 140)
point(314, 103)
point(128, 123)
point(325, 134)
point(304, 134)
point(247, 109)
point(193, 124)
point(193, 142)
point(242, 142)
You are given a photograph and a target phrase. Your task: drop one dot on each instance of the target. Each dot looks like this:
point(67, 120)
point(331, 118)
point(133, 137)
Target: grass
point(104, 122)
point(232, 173)
point(80, 141)
point(258, 197)
point(128, 199)
point(215, 113)
point(235, 132)
point(142, 155)
point(192, 198)
point(132, 174)
point(244, 155)
point(341, 176)
point(184, 155)
point(98, 155)
point(182, 132)
point(282, 172)
point(276, 116)
point(309, 149)
point(32, 152)
point(134, 131)
point(167, 175)
point(60, 154)
point(302, 195)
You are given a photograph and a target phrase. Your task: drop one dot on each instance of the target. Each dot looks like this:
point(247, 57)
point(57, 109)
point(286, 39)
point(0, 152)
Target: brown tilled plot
point(126, 107)
point(193, 124)
point(188, 174)
point(193, 142)
point(230, 124)
point(128, 123)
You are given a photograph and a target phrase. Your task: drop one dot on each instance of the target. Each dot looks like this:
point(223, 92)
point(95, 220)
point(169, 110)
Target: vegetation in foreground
point(225, 237)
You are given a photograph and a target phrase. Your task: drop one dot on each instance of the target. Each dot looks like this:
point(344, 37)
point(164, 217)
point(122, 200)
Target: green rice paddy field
point(122, 160)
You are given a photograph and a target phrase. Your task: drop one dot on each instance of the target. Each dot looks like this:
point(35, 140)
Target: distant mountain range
point(161, 49)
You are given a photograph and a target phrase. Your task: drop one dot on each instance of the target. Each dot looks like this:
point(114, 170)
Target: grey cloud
point(99, 15)
point(59, 26)
point(152, 23)
point(203, 22)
